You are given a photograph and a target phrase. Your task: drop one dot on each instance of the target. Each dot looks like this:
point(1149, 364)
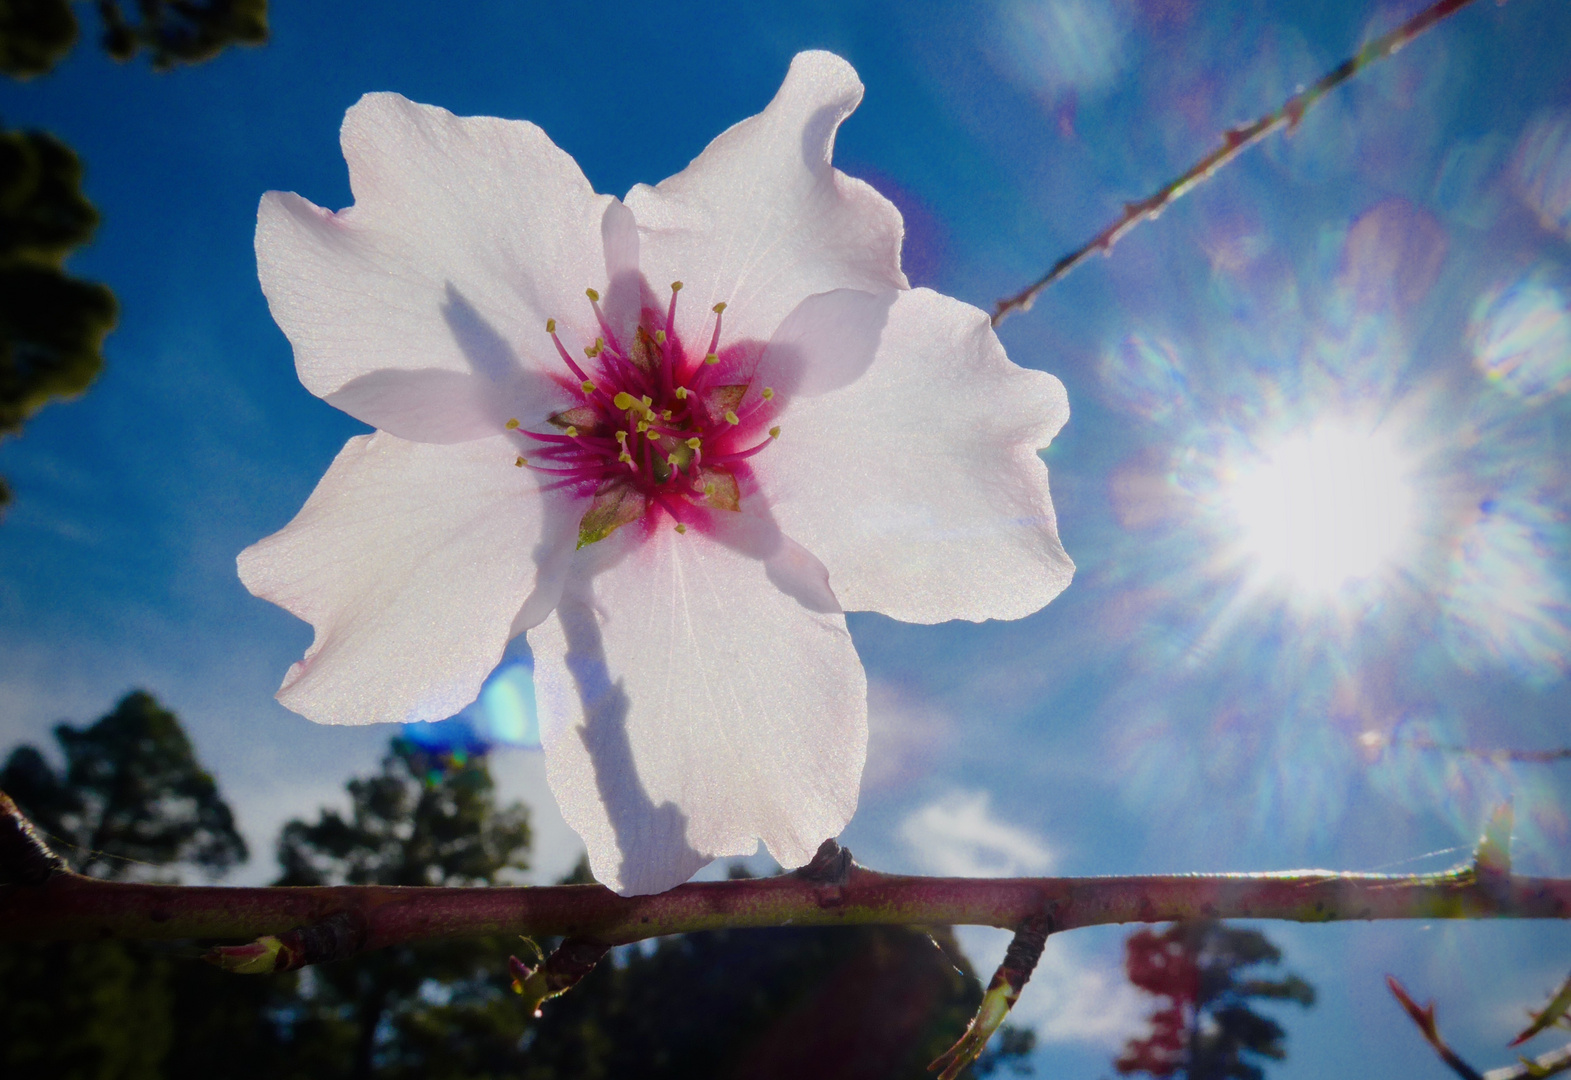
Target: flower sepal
point(617, 503)
point(581, 419)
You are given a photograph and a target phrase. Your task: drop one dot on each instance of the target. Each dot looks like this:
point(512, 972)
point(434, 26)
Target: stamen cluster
point(657, 426)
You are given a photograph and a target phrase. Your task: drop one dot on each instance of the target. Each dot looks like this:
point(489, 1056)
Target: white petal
point(467, 233)
point(411, 561)
point(919, 485)
point(690, 708)
point(761, 219)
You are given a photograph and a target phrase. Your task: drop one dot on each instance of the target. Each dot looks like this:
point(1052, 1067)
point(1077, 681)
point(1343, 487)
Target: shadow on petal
point(790, 567)
point(488, 353)
point(504, 382)
point(651, 840)
point(827, 342)
point(818, 137)
point(553, 557)
point(430, 406)
point(435, 405)
point(627, 293)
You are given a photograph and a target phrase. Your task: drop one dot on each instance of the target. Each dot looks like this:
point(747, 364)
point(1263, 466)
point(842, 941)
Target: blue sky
point(1399, 266)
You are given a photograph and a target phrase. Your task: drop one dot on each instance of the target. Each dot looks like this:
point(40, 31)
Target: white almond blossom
point(671, 438)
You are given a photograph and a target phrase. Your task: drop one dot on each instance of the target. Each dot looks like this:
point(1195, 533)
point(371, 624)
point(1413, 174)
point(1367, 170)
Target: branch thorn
point(830, 865)
point(24, 857)
point(1492, 859)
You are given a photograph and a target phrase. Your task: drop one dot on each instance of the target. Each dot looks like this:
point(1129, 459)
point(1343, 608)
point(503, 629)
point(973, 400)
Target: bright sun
point(1325, 507)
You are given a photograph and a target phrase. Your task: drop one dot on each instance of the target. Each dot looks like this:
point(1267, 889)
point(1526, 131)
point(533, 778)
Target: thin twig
point(1501, 755)
point(1020, 961)
point(1234, 142)
point(1550, 1064)
point(1550, 1015)
point(1556, 1061)
point(1424, 1017)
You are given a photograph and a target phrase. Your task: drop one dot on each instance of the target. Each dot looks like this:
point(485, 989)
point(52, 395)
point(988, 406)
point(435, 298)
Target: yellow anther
point(665, 414)
point(730, 417)
point(711, 359)
point(643, 426)
point(593, 296)
point(550, 326)
point(681, 393)
point(572, 432)
point(659, 337)
point(676, 286)
point(679, 526)
point(623, 400)
point(625, 457)
point(694, 443)
point(671, 460)
point(774, 433)
point(718, 308)
point(768, 393)
point(621, 436)
point(648, 401)
point(521, 462)
point(513, 423)
point(588, 386)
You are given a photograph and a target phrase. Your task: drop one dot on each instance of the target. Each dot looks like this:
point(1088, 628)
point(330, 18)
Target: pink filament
point(591, 457)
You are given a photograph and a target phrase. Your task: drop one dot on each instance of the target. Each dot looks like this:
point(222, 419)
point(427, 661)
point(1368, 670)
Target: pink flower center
point(657, 425)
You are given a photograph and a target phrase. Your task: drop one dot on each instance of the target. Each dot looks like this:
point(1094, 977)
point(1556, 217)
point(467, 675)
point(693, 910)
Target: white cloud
point(1078, 994)
point(958, 836)
point(1076, 998)
point(1075, 995)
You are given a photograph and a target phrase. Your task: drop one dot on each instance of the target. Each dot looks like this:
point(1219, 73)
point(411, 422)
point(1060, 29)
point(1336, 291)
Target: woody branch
point(41, 900)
